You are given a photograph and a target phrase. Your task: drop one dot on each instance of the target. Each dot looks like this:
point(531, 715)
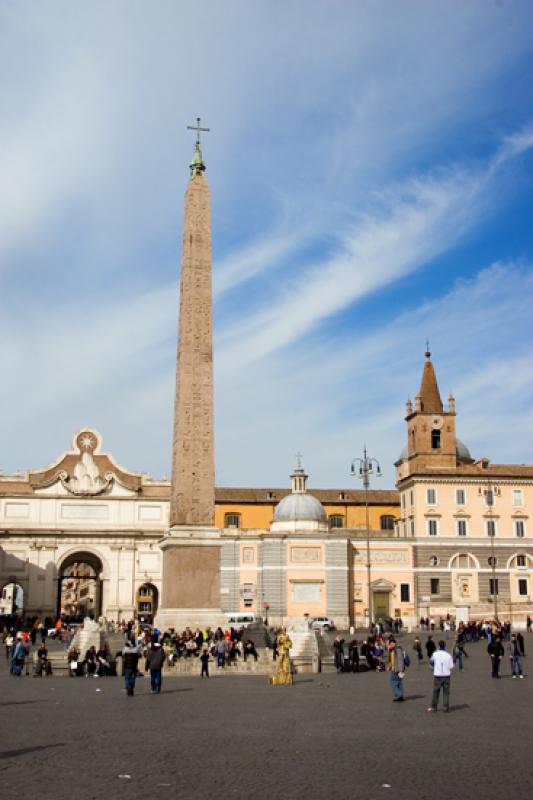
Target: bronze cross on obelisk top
point(197, 128)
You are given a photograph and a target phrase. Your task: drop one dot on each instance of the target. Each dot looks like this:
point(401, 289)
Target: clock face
point(437, 422)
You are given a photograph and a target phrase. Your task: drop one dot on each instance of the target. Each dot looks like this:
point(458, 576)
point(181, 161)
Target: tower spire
point(197, 164)
point(428, 395)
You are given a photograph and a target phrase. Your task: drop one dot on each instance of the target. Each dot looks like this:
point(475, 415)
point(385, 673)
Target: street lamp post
point(364, 468)
point(489, 493)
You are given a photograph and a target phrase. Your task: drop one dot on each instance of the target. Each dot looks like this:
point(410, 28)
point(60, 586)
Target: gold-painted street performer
point(283, 676)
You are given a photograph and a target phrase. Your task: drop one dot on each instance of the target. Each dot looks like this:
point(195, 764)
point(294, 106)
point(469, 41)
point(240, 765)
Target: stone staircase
point(325, 652)
point(192, 666)
point(305, 654)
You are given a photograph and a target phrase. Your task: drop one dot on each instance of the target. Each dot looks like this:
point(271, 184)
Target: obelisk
point(192, 499)
point(191, 548)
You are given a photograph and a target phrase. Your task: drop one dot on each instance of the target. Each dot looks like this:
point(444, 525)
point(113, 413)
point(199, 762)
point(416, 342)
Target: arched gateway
point(79, 586)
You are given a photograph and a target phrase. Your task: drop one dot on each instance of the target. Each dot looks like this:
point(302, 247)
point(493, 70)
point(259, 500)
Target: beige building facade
point(468, 520)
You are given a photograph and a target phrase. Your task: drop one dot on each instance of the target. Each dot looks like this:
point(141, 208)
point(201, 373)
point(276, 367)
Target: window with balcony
point(462, 527)
point(490, 527)
point(519, 528)
point(433, 526)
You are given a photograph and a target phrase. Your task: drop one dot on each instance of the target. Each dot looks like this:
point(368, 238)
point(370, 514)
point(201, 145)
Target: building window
point(494, 586)
point(433, 527)
point(492, 561)
point(412, 498)
point(336, 521)
point(518, 497)
point(460, 497)
point(435, 440)
point(387, 522)
point(412, 527)
point(145, 607)
point(431, 496)
point(462, 527)
point(434, 561)
point(522, 587)
point(519, 528)
point(232, 520)
point(463, 561)
point(521, 561)
point(490, 527)
point(405, 592)
point(403, 501)
point(435, 585)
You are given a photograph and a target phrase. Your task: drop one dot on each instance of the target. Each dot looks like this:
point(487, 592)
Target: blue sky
point(371, 166)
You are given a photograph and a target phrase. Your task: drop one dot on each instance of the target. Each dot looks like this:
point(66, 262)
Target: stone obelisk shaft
point(193, 468)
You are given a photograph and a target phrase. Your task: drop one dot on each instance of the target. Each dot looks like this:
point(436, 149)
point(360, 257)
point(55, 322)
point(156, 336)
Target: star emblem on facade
point(87, 441)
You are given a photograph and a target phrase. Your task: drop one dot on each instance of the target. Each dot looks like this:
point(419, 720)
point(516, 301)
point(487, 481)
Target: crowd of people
point(379, 651)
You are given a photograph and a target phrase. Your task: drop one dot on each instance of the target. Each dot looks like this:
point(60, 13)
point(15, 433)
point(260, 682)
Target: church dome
point(299, 507)
point(462, 451)
point(299, 510)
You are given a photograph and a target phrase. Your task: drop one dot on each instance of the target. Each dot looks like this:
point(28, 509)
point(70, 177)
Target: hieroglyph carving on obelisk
point(193, 466)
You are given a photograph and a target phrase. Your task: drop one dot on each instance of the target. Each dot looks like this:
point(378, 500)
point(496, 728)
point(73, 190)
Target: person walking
point(458, 653)
point(204, 658)
point(430, 646)
point(130, 664)
point(397, 670)
point(442, 664)
point(338, 649)
point(417, 647)
point(515, 654)
point(155, 658)
point(495, 651)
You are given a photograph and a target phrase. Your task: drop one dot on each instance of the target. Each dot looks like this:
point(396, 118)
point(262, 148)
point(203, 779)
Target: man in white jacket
point(442, 664)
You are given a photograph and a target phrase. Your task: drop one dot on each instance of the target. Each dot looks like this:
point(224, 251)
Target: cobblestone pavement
point(238, 737)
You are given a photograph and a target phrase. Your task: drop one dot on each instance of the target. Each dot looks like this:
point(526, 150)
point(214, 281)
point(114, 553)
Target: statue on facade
point(283, 676)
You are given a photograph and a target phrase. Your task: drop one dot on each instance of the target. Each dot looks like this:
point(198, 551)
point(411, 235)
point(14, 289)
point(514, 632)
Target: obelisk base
point(191, 579)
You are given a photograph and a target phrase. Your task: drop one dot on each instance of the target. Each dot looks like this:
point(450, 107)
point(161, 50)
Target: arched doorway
point(146, 602)
point(79, 591)
point(12, 600)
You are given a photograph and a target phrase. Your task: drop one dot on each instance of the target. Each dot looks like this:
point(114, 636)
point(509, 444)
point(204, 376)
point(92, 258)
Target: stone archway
point(12, 599)
point(79, 586)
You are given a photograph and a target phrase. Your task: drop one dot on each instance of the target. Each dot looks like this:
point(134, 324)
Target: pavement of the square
point(330, 735)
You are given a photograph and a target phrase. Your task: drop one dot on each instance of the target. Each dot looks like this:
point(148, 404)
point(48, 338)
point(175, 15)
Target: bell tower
point(431, 439)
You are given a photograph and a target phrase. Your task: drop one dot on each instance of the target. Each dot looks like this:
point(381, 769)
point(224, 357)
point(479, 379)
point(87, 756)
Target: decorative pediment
point(85, 470)
point(382, 585)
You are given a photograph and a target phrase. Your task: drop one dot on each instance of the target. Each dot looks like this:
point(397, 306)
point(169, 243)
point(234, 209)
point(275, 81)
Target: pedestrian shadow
point(414, 697)
point(460, 707)
point(305, 680)
point(24, 750)
point(20, 702)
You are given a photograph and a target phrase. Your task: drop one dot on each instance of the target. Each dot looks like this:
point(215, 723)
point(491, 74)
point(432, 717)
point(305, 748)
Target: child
point(204, 658)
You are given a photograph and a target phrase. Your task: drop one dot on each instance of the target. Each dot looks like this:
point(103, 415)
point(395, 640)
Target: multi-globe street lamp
point(364, 468)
